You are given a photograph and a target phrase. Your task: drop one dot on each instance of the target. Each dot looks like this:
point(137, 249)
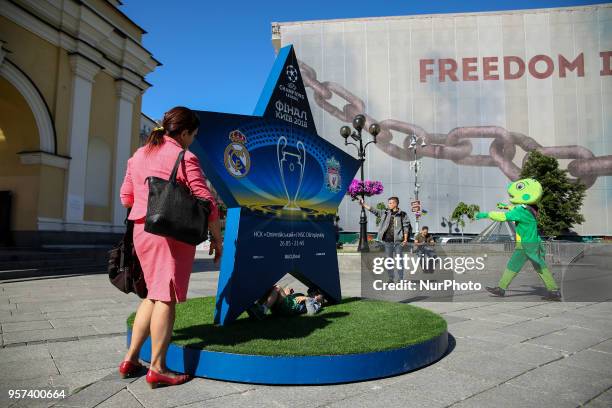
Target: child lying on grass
point(284, 302)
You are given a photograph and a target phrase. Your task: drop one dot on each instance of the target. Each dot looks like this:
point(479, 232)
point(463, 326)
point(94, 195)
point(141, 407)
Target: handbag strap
point(179, 159)
point(128, 237)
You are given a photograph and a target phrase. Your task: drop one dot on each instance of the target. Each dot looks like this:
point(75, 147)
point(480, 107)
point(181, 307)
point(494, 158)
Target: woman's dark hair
point(175, 121)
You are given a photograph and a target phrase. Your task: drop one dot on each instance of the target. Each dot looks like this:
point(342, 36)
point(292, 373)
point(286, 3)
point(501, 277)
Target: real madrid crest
point(333, 175)
point(236, 157)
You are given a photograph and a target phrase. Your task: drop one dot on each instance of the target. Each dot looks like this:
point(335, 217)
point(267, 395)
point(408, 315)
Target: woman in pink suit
point(166, 263)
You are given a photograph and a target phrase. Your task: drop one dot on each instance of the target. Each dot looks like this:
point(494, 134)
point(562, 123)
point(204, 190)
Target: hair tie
point(158, 128)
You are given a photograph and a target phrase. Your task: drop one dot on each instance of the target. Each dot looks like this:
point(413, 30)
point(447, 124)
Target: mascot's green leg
point(506, 278)
point(536, 255)
point(539, 264)
point(544, 273)
point(515, 263)
point(547, 278)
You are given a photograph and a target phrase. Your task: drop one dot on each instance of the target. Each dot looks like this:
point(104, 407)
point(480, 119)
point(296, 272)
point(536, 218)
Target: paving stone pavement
point(70, 332)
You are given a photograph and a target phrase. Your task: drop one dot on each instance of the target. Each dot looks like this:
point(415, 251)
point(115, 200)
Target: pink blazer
point(159, 162)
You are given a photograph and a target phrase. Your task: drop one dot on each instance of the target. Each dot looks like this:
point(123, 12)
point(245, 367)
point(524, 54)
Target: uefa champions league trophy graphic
point(291, 167)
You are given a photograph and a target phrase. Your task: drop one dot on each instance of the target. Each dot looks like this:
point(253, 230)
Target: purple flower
point(367, 188)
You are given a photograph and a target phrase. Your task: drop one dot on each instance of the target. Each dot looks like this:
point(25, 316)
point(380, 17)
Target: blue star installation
point(283, 184)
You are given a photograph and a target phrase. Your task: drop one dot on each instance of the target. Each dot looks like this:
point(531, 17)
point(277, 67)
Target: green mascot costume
point(524, 194)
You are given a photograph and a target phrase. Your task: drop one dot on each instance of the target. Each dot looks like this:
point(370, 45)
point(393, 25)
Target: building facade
point(146, 126)
point(72, 75)
point(480, 88)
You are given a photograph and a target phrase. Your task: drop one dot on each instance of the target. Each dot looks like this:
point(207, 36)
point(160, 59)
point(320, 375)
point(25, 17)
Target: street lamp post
point(359, 122)
point(448, 222)
point(416, 165)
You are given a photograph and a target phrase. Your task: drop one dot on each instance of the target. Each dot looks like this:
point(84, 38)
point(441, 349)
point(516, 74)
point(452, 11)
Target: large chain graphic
point(456, 145)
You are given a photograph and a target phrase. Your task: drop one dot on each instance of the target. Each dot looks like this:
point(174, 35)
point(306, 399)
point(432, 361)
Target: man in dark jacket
point(394, 230)
point(424, 243)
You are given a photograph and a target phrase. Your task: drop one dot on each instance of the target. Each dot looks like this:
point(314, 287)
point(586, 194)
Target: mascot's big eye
point(520, 186)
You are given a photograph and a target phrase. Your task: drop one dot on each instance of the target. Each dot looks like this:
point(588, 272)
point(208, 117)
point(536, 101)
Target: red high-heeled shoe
point(128, 369)
point(154, 379)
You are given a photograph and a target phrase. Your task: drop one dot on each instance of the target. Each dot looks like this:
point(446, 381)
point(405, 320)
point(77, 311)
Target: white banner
point(480, 89)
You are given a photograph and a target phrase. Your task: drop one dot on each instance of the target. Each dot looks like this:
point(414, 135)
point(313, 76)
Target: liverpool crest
point(333, 175)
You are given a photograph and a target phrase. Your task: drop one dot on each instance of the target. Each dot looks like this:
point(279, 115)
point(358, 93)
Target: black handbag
point(172, 210)
point(124, 269)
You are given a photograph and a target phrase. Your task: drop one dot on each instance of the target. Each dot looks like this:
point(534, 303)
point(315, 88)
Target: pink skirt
point(166, 264)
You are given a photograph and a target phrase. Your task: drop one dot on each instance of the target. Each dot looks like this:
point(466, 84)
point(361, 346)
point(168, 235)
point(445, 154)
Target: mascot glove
point(482, 215)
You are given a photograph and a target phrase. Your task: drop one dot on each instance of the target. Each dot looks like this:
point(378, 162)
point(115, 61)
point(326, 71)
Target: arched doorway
point(18, 133)
point(38, 108)
point(27, 141)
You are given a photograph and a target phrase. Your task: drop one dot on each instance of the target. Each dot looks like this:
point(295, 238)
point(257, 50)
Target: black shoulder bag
point(172, 210)
point(124, 269)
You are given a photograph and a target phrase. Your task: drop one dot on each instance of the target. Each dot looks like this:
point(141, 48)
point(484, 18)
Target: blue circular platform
point(311, 369)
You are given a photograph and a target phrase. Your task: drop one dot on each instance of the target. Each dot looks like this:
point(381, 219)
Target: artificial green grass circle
point(351, 327)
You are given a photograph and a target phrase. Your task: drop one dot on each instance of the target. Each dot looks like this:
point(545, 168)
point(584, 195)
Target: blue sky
point(216, 55)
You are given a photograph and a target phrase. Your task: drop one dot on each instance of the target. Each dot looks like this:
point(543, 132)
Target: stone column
point(84, 70)
point(126, 95)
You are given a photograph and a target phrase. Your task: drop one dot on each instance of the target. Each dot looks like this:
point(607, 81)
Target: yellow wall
point(39, 190)
point(33, 55)
point(48, 67)
point(19, 133)
point(51, 196)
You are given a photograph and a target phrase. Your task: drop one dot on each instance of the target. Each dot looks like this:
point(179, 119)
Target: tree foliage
point(559, 208)
point(381, 206)
point(464, 210)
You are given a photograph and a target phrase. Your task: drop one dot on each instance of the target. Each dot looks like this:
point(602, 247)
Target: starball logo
point(292, 73)
point(287, 107)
